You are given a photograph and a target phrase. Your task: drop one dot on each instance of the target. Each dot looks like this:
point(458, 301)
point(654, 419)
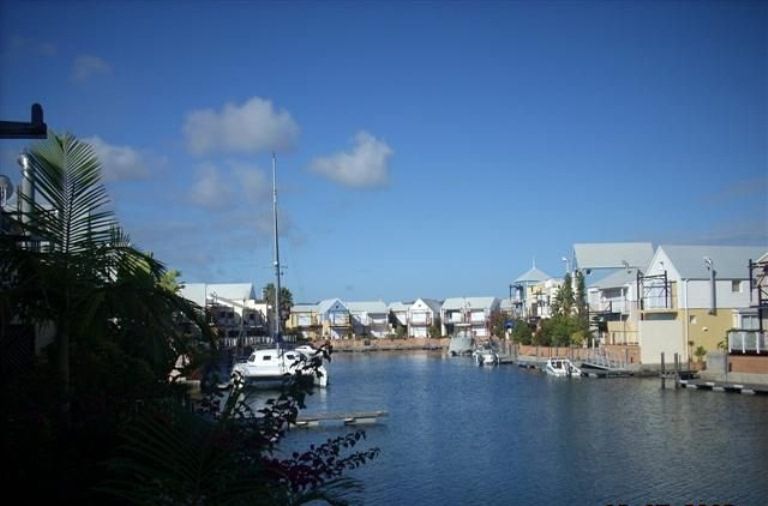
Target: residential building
point(398, 316)
point(335, 320)
point(468, 313)
point(614, 308)
point(305, 320)
point(521, 290)
point(369, 318)
point(422, 314)
point(540, 297)
point(688, 298)
point(232, 308)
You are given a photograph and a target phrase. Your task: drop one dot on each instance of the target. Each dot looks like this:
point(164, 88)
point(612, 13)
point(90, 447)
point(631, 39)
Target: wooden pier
point(349, 418)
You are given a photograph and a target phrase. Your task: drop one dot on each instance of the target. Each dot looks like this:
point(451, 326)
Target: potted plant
point(700, 353)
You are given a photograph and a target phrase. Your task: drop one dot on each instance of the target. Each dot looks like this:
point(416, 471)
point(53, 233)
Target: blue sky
point(425, 149)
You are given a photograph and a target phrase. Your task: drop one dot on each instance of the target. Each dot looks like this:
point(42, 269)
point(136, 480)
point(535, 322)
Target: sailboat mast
point(276, 335)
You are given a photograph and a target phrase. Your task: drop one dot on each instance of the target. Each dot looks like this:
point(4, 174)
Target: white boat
point(272, 366)
point(486, 355)
point(561, 367)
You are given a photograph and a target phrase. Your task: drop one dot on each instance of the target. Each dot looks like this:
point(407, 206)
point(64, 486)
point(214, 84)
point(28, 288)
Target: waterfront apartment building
point(422, 314)
point(335, 319)
point(398, 316)
point(468, 313)
point(690, 296)
point(369, 318)
point(305, 320)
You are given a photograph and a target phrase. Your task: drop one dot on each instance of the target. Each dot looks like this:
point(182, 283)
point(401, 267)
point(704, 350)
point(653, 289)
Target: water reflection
point(462, 434)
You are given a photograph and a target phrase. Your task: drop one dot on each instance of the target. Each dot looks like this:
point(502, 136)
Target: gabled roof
point(455, 303)
point(613, 255)
point(533, 275)
point(324, 305)
point(433, 304)
point(198, 292)
point(370, 307)
point(616, 279)
point(730, 262)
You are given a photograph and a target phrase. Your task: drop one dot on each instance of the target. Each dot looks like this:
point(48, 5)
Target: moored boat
point(561, 367)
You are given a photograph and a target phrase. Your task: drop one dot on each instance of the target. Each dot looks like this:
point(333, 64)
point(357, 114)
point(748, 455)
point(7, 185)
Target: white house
point(233, 307)
point(470, 313)
point(369, 318)
point(690, 296)
point(334, 318)
point(422, 314)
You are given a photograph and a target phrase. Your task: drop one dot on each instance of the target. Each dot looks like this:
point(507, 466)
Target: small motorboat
point(561, 367)
point(486, 355)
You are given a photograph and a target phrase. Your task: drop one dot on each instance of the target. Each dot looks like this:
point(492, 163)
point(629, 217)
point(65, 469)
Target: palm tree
point(80, 277)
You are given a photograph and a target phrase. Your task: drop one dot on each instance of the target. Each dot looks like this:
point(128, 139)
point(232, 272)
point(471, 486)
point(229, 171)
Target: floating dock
point(725, 386)
point(349, 418)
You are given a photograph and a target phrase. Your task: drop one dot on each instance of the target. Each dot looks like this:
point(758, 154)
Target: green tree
point(435, 330)
point(522, 333)
point(286, 299)
point(498, 321)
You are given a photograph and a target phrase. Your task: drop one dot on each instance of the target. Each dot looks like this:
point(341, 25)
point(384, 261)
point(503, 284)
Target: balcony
point(747, 342)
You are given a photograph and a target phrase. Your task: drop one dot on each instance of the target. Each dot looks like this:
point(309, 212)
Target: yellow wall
point(707, 330)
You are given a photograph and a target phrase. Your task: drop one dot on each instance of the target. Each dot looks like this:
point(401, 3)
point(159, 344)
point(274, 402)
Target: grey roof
point(303, 308)
point(731, 262)
point(325, 305)
point(370, 307)
point(433, 304)
point(616, 279)
point(454, 303)
point(533, 275)
point(399, 306)
point(197, 292)
point(612, 255)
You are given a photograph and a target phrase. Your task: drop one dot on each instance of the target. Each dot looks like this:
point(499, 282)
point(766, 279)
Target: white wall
point(656, 336)
point(699, 293)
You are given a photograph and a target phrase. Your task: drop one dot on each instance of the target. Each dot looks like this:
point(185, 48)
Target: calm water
point(461, 434)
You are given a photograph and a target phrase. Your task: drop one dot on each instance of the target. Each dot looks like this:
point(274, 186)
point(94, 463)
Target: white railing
point(745, 341)
point(603, 358)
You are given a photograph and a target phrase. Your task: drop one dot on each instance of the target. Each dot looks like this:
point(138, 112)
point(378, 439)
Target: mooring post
point(663, 372)
point(677, 371)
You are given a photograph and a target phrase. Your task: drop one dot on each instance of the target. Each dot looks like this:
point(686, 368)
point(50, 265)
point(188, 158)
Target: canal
point(461, 434)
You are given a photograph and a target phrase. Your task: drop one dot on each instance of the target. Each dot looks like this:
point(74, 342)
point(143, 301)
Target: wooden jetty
point(349, 418)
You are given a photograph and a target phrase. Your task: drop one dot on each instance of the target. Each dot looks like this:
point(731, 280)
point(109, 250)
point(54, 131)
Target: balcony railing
point(747, 341)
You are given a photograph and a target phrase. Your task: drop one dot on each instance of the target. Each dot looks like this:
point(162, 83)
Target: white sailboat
point(267, 366)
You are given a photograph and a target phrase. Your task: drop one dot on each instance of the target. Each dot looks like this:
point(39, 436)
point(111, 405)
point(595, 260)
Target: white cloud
point(365, 165)
point(87, 66)
point(211, 190)
point(253, 182)
point(121, 163)
point(251, 127)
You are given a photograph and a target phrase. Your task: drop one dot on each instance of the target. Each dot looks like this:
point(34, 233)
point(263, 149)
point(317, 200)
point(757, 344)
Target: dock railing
point(601, 357)
point(747, 341)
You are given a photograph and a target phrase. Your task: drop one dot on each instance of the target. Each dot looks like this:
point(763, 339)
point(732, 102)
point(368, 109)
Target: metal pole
point(663, 373)
point(277, 250)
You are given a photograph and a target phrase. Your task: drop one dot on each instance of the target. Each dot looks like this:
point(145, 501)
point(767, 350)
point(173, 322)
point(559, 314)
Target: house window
point(736, 286)
point(692, 319)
